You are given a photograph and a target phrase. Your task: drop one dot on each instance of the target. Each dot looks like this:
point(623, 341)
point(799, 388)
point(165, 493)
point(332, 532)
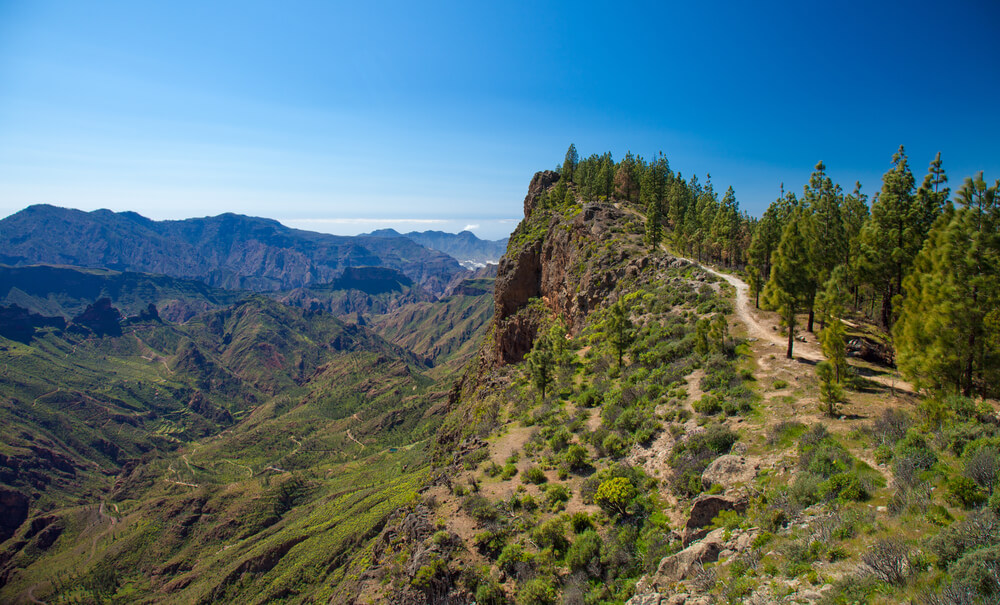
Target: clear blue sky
point(435, 115)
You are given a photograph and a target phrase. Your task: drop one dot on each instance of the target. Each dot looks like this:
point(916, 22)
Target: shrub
point(613, 445)
point(557, 493)
point(888, 560)
point(581, 522)
point(615, 494)
point(560, 440)
point(915, 448)
point(480, 508)
point(511, 556)
point(576, 457)
point(883, 454)
point(551, 534)
point(779, 384)
point(891, 426)
point(980, 570)
point(490, 593)
point(539, 591)
point(964, 492)
point(845, 486)
point(509, 470)
point(534, 474)
point(709, 405)
point(982, 465)
point(584, 550)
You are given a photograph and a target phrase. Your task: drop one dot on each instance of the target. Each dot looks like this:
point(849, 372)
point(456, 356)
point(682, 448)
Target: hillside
point(131, 460)
point(447, 331)
point(631, 430)
point(226, 251)
point(67, 291)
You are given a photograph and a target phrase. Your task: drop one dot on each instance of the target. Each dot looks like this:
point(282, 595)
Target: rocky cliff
point(560, 259)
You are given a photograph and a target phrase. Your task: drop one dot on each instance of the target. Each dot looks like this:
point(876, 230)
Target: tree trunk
point(886, 318)
point(812, 316)
point(790, 321)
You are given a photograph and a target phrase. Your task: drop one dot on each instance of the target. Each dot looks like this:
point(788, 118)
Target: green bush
point(480, 508)
point(576, 457)
point(615, 494)
point(584, 550)
point(964, 492)
point(883, 454)
point(557, 493)
point(978, 569)
point(534, 474)
point(708, 405)
point(581, 522)
point(613, 445)
point(539, 591)
point(551, 534)
point(490, 593)
point(511, 556)
point(845, 487)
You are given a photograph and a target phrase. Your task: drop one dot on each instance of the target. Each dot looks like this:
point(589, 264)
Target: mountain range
point(227, 251)
point(463, 246)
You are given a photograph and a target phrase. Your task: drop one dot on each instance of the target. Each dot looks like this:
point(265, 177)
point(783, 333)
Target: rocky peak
point(539, 184)
point(559, 267)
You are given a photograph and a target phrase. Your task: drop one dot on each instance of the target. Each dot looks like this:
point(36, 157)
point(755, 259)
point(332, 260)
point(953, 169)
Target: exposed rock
point(728, 471)
point(681, 565)
point(707, 507)
point(539, 183)
point(13, 511)
point(101, 318)
point(704, 509)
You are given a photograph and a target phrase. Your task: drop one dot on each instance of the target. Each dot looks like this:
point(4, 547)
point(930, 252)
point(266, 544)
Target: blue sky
point(339, 117)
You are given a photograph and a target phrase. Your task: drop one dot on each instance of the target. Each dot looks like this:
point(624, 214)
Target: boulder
point(728, 471)
point(707, 507)
point(683, 564)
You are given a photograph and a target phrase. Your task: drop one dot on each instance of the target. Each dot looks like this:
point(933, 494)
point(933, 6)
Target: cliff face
point(565, 260)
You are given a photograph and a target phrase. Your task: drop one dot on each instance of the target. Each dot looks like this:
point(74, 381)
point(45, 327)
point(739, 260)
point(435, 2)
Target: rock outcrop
point(13, 511)
point(553, 259)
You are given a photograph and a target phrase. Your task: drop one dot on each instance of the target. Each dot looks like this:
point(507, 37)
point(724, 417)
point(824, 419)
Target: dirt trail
point(760, 329)
point(351, 437)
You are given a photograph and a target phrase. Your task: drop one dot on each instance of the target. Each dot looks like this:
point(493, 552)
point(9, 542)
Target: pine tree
point(890, 238)
point(791, 286)
point(725, 228)
point(626, 183)
point(765, 241)
point(621, 332)
point(953, 296)
point(855, 213)
point(569, 163)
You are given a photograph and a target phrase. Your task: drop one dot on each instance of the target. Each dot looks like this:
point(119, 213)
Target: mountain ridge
point(229, 250)
point(464, 246)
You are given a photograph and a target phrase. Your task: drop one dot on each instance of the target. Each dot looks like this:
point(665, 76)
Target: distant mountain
point(465, 247)
point(227, 251)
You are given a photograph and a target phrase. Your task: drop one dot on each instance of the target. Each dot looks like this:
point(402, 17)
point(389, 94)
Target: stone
point(707, 507)
point(728, 471)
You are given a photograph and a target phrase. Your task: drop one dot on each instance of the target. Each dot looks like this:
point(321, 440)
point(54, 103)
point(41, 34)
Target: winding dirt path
point(759, 329)
point(351, 437)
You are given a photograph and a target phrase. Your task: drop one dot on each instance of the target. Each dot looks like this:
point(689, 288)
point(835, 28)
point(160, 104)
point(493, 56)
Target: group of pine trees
point(923, 266)
point(699, 223)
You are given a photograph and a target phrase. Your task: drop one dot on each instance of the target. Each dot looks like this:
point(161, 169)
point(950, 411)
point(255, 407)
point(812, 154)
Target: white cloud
point(470, 227)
